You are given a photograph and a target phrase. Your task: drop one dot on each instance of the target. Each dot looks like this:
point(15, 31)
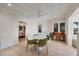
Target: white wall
point(32, 26)
point(73, 18)
point(8, 29)
point(51, 23)
point(78, 44)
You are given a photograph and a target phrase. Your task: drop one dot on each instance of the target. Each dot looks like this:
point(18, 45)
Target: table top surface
point(37, 37)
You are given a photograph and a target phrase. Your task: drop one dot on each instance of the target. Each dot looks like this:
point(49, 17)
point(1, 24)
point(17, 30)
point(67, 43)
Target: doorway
point(22, 31)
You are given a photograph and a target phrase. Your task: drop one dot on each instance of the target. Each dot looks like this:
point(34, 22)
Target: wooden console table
point(58, 36)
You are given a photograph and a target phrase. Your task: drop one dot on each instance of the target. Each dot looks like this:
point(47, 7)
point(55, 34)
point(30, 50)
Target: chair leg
point(38, 50)
point(46, 49)
point(27, 47)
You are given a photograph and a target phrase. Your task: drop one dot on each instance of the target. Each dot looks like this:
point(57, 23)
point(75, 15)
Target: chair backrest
point(30, 41)
point(47, 37)
point(42, 42)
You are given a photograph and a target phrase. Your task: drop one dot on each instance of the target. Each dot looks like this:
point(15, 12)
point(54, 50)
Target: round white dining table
point(39, 37)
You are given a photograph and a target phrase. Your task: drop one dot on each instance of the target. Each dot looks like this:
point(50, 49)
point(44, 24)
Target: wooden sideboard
point(58, 36)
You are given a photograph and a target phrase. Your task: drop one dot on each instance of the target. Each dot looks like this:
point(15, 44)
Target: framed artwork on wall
point(75, 30)
point(76, 24)
point(39, 28)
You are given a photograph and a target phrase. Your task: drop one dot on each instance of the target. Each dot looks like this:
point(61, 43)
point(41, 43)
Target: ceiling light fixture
point(9, 4)
point(55, 16)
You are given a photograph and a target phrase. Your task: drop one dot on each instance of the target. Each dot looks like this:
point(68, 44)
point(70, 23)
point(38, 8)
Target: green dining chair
point(42, 43)
point(29, 42)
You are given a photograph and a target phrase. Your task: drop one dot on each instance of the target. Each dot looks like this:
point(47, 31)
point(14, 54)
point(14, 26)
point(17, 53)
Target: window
point(56, 27)
point(62, 27)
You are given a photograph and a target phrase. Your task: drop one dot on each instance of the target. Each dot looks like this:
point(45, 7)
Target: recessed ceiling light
point(9, 4)
point(55, 16)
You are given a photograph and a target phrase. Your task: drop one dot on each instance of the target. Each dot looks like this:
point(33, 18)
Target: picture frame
point(76, 28)
point(39, 28)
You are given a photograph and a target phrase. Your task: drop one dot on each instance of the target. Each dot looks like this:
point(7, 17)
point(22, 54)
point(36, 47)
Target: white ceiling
point(29, 10)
